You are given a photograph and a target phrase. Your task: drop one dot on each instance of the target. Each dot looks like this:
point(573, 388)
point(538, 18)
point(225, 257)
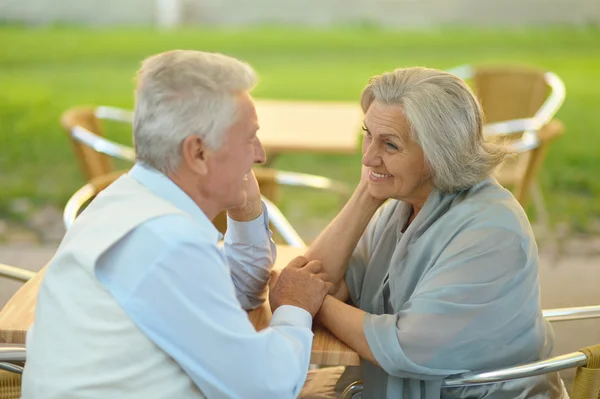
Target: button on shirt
point(189, 297)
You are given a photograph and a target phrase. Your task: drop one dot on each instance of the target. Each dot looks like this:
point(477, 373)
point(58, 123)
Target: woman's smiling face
point(396, 164)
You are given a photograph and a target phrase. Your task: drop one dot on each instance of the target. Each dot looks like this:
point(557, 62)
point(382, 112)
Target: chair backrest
point(510, 92)
point(519, 103)
point(91, 162)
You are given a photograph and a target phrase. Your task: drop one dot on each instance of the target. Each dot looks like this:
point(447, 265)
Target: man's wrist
point(291, 302)
point(291, 315)
point(249, 211)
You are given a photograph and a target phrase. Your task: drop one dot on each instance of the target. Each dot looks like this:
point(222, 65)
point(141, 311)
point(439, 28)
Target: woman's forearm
point(346, 323)
point(335, 244)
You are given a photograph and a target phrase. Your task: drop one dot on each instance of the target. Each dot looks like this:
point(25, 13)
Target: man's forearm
point(251, 254)
point(346, 323)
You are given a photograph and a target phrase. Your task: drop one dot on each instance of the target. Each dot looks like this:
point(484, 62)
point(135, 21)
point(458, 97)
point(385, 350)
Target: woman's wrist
point(365, 199)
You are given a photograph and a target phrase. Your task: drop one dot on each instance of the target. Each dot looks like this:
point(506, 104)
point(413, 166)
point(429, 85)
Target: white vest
point(82, 344)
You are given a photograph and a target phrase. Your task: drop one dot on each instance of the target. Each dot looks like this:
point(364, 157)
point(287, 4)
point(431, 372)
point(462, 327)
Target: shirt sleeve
point(250, 253)
point(477, 307)
point(186, 304)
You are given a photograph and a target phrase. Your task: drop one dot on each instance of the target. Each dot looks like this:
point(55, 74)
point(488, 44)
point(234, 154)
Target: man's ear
point(195, 154)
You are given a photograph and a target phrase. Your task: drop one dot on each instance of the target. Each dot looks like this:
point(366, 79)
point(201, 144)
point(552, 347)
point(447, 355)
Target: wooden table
point(18, 314)
point(311, 126)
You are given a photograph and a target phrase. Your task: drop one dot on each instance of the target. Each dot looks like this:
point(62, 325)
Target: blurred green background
point(47, 70)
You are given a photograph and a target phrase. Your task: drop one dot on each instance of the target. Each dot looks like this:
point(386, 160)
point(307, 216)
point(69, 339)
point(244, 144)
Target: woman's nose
point(370, 156)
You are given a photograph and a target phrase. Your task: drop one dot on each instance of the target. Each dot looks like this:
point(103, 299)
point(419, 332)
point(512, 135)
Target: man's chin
point(240, 201)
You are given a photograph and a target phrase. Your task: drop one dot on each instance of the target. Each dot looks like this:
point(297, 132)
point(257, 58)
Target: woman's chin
point(378, 193)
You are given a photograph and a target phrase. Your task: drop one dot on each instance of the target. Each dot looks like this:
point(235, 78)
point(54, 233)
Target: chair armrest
point(102, 145)
point(574, 313)
point(554, 129)
point(311, 181)
point(462, 71)
point(571, 360)
point(508, 127)
point(13, 368)
point(282, 225)
point(15, 273)
point(114, 114)
point(12, 353)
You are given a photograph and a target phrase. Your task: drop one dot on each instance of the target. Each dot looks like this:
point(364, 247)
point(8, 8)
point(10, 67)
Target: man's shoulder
point(174, 229)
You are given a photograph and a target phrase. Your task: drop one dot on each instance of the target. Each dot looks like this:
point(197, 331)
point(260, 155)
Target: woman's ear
point(195, 154)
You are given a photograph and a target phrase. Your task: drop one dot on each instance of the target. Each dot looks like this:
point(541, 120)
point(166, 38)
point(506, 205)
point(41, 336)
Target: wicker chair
point(519, 104)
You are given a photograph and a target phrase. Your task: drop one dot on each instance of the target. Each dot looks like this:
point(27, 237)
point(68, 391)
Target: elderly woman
point(443, 278)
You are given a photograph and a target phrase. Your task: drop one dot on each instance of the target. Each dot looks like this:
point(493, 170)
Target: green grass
point(45, 71)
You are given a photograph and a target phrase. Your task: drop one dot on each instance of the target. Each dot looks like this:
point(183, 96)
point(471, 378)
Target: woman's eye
point(391, 146)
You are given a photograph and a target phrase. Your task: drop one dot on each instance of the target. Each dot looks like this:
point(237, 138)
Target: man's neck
point(208, 207)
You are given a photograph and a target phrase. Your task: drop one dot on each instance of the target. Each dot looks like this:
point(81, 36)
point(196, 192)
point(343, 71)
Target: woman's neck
point(414, 211)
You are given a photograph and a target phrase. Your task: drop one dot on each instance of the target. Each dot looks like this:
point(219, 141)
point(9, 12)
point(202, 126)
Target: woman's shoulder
point(489, 205)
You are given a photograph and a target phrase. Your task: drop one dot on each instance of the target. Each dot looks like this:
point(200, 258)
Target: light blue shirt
point(189, 297)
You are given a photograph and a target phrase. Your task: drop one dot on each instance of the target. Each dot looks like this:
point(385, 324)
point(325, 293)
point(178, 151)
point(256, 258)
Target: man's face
point(240, 149)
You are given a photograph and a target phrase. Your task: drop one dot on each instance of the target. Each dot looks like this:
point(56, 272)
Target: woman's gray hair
point(182, 93)
point(445, 119)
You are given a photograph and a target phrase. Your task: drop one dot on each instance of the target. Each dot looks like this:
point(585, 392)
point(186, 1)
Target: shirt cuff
point(253, 232)
point(288, 315)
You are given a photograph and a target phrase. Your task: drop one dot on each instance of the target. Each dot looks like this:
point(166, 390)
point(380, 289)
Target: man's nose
point(260, 157)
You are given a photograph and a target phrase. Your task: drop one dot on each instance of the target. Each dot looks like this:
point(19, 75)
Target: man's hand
point(252, 207)
point(302, 284)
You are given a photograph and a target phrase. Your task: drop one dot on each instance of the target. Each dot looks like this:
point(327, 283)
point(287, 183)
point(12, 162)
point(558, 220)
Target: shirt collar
point(165, 188)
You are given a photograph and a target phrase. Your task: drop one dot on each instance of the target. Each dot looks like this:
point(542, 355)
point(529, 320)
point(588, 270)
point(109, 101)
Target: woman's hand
point(362, 190)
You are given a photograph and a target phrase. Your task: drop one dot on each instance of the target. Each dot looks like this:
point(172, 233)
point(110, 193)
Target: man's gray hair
point(181, 93)
point(445, 119)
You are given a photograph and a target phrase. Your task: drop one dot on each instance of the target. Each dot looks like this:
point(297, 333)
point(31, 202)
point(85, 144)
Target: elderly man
point(139, 301)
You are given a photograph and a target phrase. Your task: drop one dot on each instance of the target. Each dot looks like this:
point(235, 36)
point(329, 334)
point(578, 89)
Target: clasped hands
point(302, 283)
